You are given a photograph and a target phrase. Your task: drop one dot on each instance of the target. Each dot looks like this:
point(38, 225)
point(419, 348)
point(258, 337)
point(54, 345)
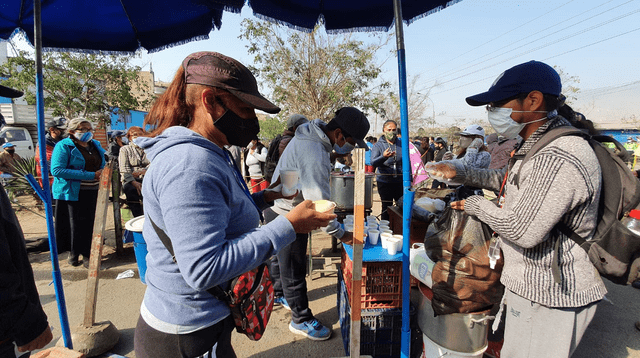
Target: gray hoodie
point(309, 152)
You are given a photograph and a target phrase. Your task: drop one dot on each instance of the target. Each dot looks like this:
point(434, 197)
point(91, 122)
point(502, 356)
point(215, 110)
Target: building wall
point(135, 118)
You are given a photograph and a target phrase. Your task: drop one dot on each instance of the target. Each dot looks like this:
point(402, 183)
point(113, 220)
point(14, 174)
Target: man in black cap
point(548, 311)
point(309, 152)
point(22, 319)
point(55, 128)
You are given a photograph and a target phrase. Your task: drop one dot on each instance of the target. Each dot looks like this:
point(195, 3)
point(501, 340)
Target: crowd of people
point(186, 177)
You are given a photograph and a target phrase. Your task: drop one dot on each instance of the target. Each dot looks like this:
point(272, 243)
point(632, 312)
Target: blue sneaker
point(312, 329)
point(282, 301)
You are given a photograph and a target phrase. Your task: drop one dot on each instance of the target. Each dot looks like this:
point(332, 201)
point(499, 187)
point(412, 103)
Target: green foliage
point(313, 74)
point(270, 127)
point(569, 85)
point(19, 184)
point(77, 84)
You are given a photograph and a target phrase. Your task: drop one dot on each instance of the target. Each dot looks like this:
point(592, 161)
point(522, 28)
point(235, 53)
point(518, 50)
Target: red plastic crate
point(381, 282)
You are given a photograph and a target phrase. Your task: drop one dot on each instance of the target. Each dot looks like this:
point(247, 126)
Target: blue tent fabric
point(115, 26)
point(124, 26)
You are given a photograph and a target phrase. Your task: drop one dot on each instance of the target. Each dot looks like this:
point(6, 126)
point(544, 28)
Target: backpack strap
point(216, 291)
point(545, 140)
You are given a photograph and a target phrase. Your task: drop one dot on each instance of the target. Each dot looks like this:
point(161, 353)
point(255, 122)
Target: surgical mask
point(391, 136)
point(83, 137)
point(239, 131)
point(345, 149)
point(250, 145)
point(125, 140)
point(501, 121)
point(465, 142)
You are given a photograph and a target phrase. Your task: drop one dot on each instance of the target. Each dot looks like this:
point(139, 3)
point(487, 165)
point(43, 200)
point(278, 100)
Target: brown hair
point(175, 106)
point(135, 130)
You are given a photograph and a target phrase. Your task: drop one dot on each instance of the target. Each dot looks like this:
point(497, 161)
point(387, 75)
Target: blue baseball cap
point(8, 145)
point(523, 78)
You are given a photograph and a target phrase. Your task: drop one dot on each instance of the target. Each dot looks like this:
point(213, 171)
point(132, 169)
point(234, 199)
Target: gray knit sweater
point(560, 182)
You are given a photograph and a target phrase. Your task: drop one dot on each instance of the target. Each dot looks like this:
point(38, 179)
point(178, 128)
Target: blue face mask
point(345, 149)
point(83, 137)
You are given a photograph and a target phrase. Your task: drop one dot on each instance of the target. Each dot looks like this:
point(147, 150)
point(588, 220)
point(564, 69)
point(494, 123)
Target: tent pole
point(45, 194)
point(407, 200)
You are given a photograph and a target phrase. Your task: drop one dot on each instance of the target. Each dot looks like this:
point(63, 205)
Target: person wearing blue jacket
point(386, 157)
point(194, 192)
point(76, 165)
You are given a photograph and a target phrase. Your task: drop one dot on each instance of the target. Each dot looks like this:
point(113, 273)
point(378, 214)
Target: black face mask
point(239, 131)
point(11, 151)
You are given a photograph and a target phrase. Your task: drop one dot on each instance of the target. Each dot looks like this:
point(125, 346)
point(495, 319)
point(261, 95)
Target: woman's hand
point(305, 219)
point(98, 174)
point(441, 170)
point(458, 205)
point(477, 143)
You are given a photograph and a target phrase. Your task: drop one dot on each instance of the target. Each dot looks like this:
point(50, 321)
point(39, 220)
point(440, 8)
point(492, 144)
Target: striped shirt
point(560, 182)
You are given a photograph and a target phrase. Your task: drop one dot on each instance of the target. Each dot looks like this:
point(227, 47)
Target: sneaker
point(638, 325)
point(312, 329)
point(636, 284)
point(281, 301)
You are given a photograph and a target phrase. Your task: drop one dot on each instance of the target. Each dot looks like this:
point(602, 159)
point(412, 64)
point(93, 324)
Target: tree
point(313, 74)
point(270, 127)
point(420, 110)
point(569, 85)
point(78, 84)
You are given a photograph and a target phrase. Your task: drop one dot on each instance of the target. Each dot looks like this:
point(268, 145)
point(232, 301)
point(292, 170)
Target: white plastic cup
point(289, 179)
point(348, 228)
point(385, 237)
point(399, 243)
point(372, 217)
point(372, 223)
point(384, 227)
point(349, 217)
point(324, 206)
point(392, 246)
point(383, 222)
point(374, 235)
point(385, 231)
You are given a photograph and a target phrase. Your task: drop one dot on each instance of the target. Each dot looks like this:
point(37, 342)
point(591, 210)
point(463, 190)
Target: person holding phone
point(386, 157)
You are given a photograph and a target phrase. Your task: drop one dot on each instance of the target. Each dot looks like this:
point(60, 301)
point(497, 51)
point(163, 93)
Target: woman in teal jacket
point(76, 165)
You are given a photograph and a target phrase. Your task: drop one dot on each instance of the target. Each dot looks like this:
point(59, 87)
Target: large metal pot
point(342, 190)
point(459, 332)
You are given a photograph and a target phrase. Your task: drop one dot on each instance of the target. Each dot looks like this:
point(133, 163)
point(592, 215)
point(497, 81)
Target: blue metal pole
point(45, 194)
point(407, 199)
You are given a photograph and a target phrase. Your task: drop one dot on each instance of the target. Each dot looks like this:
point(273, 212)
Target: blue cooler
point(139, 246)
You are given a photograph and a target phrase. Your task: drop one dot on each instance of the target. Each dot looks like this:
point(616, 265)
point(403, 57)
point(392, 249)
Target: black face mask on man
point(239, 131)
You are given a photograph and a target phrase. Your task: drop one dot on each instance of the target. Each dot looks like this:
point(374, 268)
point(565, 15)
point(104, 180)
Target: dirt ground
point(611, 333)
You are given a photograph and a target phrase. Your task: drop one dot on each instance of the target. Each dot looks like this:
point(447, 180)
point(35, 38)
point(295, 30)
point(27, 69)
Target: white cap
point(473, 129)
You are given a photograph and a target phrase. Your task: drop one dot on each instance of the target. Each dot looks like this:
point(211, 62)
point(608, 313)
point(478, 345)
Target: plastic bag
point(462, 279)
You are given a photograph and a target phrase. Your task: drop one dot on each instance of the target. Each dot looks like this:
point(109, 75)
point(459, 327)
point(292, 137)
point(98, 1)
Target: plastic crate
point(381, 282)
point(380, 328)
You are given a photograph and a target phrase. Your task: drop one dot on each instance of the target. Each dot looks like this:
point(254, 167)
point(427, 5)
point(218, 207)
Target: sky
point(460, 50)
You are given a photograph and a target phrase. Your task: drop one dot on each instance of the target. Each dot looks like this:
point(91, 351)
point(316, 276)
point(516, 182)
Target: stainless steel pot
point(342, 190)
point(459, 332)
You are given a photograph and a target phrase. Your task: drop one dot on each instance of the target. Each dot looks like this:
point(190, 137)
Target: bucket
point(434, 350)
point(139, 245)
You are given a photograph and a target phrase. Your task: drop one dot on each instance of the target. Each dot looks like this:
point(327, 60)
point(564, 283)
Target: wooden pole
point(358, 241)
point(117, 219)
point(96, 245)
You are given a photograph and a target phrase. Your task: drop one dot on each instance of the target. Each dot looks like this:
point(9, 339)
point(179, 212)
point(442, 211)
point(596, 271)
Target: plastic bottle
point(632, 222)
point(494, 252)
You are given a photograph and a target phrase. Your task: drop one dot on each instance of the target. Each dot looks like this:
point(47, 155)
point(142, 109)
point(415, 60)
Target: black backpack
point(613, 247)
point(273, 155)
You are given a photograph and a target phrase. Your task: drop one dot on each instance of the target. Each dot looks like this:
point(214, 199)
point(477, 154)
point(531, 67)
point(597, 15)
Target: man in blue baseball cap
point(551, 287)
point(8, 158)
